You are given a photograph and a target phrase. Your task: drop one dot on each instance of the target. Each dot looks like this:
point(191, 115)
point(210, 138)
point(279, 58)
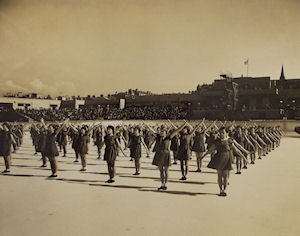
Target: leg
point(220, 181)
point(99, 151)
point(162, 177)
point(182, 169)
point(225, 175)
point(259, 154)
point(76, 156)
point(199, 161)
point(109, 170)
point(14, 147)
point(44, 160)
point(186, 171)
point(238, 165)
point(113, 170)
point(83, 161)
point(245, 163)
point(166, 172)
point(137, 166)
point(253, 157)
point(175, 155)
point(65, 150)
point(53, 165)
point(7, 163)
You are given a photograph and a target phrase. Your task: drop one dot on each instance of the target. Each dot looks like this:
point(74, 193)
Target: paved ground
point(264, 200)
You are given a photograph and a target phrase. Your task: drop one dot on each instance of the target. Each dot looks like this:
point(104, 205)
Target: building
point(249, 98)
point(29, 103)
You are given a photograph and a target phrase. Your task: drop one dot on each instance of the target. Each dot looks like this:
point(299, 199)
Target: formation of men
point(227, 144)
point(11, 138)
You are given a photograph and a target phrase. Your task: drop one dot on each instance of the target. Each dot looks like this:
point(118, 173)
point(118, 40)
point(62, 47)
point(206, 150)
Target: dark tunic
point(130, 134)
point(83, 141)
point(199, 142)
point(63, 139)
point(210, 140)
point(58, 136)
point(256, 137)
point(42, 143)
point(184, 151)
point(175, 143)
point(149, 138)
point(263, 137)
point(98, 139)
point(19, 133)
point(157, 142)
point(222, 160)
point(126, 134)
point(35, 136)
point(162, 155)
point(75, 142)
point(239, 137)
point(249, 147)
point(135, 147)
point(50, 146)
point(5, 143)
point(231, 134)
point(110, 153)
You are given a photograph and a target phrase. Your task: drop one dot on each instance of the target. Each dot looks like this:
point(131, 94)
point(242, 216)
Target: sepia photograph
point(149, 117)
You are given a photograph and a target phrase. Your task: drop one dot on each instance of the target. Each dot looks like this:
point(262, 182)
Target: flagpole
point(247, 66)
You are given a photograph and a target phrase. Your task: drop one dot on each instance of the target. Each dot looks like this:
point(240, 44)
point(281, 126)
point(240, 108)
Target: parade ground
point(264, 200)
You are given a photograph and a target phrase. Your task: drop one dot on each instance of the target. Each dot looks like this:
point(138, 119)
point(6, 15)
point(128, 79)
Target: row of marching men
point(226, 143)
point(11, 138)
point(252, 142)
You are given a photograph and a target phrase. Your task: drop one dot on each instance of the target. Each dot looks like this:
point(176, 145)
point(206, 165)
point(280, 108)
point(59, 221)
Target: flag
point(246, 62)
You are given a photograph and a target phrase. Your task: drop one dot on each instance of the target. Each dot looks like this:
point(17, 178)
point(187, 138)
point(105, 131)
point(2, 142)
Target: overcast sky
point(66, 47)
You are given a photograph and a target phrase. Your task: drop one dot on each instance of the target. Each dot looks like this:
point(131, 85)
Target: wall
point(32, 103)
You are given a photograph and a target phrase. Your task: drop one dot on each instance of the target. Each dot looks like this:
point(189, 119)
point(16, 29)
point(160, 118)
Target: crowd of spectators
point(155, 112)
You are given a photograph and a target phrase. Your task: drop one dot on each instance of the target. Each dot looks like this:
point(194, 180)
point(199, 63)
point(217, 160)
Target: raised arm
point(215, 125)
point(174, 126)
point(240, 146)
point(119, 146)
point(61, 127)
point(150, 128)
point(188, 124)
point(261, 141)
point(177, 130)
point(145, 146)
point(91, 128)
point(249, 142)
point(237, 151)
point(43, 123)
point(73, 128)
point(257, 144)
point(196, 127)
point(209, 151)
